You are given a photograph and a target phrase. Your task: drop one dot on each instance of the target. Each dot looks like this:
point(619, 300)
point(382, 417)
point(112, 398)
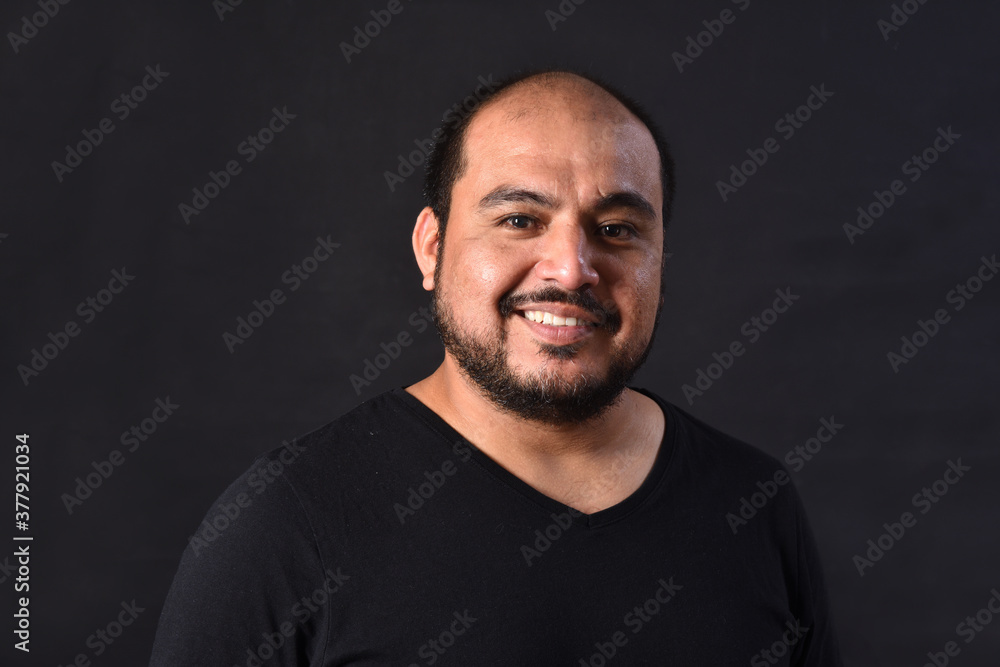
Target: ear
point(425, 245)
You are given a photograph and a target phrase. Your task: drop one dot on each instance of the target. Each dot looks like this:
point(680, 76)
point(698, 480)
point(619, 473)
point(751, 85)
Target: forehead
point(568, 137)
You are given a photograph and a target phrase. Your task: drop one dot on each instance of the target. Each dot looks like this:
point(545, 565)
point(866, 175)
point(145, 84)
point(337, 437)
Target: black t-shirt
point(385, 538)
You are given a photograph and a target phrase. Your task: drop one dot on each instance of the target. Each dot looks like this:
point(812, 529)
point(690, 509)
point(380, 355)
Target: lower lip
point(564, 335)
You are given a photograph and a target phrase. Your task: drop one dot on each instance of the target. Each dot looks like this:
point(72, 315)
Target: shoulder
point(357, 464)
point(356, 438)
point(275, 494)
point(710, 446)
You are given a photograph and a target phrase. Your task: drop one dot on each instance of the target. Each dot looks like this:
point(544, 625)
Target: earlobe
point(425, 245)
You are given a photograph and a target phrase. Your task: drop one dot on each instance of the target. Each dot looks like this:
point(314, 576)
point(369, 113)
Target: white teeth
point(543, 317)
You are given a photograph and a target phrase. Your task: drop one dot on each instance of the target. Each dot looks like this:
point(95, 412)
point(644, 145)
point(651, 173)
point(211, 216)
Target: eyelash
point(627, 228)
point(506, 220)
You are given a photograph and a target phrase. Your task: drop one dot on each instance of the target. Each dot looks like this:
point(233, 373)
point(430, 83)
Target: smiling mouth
point(545, 317)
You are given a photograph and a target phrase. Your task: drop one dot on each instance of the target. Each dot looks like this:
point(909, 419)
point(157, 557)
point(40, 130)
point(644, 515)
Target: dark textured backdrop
point(222, 75)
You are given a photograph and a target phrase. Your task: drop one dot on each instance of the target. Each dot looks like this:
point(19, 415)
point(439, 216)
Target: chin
point(553, 384)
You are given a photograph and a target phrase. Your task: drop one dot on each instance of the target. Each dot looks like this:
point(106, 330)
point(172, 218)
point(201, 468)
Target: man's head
point(446, 162)
point(553, 195)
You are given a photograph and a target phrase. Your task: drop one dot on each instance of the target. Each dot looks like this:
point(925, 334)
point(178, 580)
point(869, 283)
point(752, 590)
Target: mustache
point(606, 315)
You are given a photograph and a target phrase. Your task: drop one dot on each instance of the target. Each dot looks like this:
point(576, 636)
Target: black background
point(324, 176)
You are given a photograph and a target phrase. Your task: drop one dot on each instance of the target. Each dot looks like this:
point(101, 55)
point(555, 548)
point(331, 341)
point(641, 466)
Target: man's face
point(548, 294)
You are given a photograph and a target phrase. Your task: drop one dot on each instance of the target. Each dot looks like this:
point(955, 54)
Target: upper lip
point(563, 310)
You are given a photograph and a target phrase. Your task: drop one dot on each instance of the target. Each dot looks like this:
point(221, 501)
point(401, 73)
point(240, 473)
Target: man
point(520, 506)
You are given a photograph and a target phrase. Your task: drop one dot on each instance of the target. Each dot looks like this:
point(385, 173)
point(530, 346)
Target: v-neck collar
point(664, 456)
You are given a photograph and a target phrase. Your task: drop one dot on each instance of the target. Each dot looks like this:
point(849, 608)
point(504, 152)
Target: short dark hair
point(446, 162)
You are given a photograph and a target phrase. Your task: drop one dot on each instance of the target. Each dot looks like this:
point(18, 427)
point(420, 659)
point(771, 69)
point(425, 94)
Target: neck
point(569, 462)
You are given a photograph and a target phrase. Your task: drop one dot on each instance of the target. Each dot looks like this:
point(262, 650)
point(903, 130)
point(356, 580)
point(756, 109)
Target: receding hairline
point(553, 82)
point(447, 162)
point(562, 85)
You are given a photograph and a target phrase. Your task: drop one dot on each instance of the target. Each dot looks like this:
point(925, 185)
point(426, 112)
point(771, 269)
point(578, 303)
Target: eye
point(517, 221)
point(616, 231)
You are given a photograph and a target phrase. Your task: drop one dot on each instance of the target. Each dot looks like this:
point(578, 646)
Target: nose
point(567, 256)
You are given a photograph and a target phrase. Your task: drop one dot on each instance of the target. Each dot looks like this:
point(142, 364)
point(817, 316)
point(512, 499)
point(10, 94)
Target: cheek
point(643, 294)
point(485, 274)
point(648, 284)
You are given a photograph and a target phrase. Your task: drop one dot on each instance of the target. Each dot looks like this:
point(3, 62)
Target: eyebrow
point(506, 194)
point(627, 199)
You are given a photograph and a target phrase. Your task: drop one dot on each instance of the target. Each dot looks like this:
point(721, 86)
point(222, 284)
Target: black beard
point(543, 398)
